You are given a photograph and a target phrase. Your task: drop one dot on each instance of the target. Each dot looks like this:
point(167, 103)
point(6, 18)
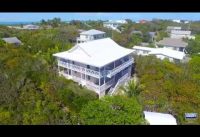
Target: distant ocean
point(16, 23)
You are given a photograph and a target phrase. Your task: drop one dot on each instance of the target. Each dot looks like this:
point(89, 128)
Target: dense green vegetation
point(170, 88)
point(115, 110)
point(31, 92)
point(193, 47)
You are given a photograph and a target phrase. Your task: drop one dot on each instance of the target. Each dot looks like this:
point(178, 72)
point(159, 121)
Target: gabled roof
point(92, 32)
point(155, 118)
point(12, 40)
point(172, 42)
point(96, 53)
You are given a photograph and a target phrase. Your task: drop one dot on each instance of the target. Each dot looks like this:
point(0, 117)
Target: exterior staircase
point(120, 82)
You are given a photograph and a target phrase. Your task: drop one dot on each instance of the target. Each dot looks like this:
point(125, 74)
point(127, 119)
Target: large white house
point(100, 65)
point(161, 53)
point(89, 35)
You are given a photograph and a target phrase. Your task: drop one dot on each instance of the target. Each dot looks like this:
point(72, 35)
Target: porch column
point(68, 66)
point(115, 74)
point(59, 70)
point(104, 75)
point(99, 81)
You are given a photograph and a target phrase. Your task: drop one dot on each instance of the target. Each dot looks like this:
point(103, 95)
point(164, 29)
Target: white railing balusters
point(79, 69)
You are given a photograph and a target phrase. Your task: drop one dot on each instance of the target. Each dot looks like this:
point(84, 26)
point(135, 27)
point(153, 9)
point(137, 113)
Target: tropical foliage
point(116, 110)
point(168, 87)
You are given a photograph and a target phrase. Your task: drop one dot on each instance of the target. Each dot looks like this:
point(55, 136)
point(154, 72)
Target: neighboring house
point(90, 35)
point(13, 40)
point(114, 24)
point(170, 28)
point(181, 34)
point(173, 43)
point(177, 21)
point(161, 53)
point(31, 27)
point(155, 118)
point(100, 65)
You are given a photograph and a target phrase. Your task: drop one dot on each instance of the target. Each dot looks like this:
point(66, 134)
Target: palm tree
point(132, 89)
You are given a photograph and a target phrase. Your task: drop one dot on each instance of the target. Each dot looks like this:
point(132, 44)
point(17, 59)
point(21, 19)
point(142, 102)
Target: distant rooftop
point(172, 42)
point(12, 40)
point(181, 32)
point(92, 32)
point(31, 26)
point(174, 27)
point(116, 22)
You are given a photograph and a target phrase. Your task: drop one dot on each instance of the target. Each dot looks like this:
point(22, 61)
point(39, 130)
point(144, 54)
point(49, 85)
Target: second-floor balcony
point(80, 69)
point(116, 70)
point(94, 73)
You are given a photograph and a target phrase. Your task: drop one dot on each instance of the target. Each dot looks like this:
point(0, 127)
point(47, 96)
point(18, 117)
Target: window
point(88, 77)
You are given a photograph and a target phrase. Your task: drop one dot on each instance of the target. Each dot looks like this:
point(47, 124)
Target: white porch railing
point(119, 68)
point(80, 69)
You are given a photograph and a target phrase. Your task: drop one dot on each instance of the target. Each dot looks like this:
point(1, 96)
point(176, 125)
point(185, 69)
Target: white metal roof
point(92, 32)
point(162, 51)
point(96, 53)
point(155, 118)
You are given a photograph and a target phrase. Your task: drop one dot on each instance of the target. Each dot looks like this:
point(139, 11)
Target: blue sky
point(31, 17)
